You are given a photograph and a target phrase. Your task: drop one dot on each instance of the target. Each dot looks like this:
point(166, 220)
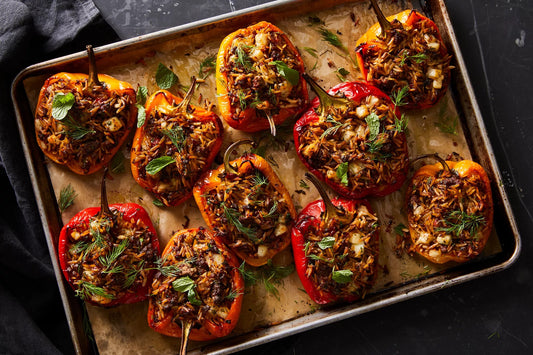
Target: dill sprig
point(207, 67)
point(332, 39)
point(399, 95)
point(67, 195)
point(113, 255)
point(333, 129)
point(458, 221)
point(176, 136)
point(232, 215)
point(86, 289)
point(75, 130)
point(268, 274)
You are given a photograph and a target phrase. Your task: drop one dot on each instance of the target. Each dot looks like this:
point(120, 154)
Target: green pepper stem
point(331, 211)
point(326, 100)
point(227, 166)
point(186, 326)
point(445, 166)
point(93, 73)
point(104, 205)
point(383, 22)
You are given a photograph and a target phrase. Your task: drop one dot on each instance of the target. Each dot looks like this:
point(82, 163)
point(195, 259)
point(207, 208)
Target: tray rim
point(404, 292)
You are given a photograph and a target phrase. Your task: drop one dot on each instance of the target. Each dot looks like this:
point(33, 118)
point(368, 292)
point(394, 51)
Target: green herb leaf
point(332, 39)
point(313, 52)
point(117, 163)
point(342, 73)
point(400, 229)
point(75, 129)
point(326, 242)
point(458, 221)
point(342, 276)
point(86, 289)
point(142, 95)
point(304, 184)
point(399, 95)
point(372, 121)
point(183, 284)
point(232, 215)
point(243, 58)
point(164, 77)
point(250, 276)
point(207, 66)
point(400, 125)
point(292, 75)
point(67, 195)
point(61, 104)
point(141, 115)
point(333, 129)
point(158, 164)
point(176, 136)
point(342, 173)
point(113, 255)
point(158, 203)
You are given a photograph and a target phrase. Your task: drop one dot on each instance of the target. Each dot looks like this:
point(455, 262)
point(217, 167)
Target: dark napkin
point(32, 319)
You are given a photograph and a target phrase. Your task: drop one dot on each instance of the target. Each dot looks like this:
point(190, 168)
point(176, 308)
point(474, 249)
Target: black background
point(493, 314)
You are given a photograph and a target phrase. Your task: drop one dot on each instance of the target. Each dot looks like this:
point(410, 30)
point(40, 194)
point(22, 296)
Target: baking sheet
point(264, 317)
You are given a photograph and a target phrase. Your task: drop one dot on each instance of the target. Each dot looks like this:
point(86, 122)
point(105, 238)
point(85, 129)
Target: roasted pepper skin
point(309, 216)
point(249, 121)
point(209, 330)
point(111, 84)
point(130, 211)
point(165, 99)
point(463, 168)
point(354, 91)
point(370, 39)
point(214, 178)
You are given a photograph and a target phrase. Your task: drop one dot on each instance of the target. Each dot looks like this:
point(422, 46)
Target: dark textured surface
point(489, 315)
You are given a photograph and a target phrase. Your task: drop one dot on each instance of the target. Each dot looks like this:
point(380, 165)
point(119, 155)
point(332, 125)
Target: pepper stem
point(331, 211)
point(326, 100)
point(104, 205)
point(186, 326)
point(93, 73)
point(184, 104)
point(445, 166)
point(227, 166)
point(383, 22)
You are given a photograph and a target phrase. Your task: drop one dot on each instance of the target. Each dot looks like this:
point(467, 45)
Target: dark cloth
point(32, 319)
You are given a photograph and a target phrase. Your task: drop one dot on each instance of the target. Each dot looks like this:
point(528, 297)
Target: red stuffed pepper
point(198, 288)
point(175, 146)
point(353, 139)
point(247, 206)
point(82, 120)
point(259, 83)
point(405, 55)
point(108, 253)
point(336, 246)
point(449, 210)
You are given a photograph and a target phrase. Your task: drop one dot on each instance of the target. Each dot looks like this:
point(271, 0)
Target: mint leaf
point(156, 165)
point(141, 115)
point(61, 104)
point(326, 242)
point(183, 284)
point(342, 276)
point(164, 77)
point(372, 121)
point(342, 173)
point(292, 75)
point(142, 94)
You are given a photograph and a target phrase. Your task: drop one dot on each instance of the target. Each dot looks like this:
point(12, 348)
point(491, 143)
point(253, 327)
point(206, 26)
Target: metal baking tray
point(130, 53)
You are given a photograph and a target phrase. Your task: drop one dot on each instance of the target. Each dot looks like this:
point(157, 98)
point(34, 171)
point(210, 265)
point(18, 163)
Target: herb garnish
point(207, 67)
point(342, 173)
point(342, 276)
point(458, 221)
point(372, 121)
point(399, 95)
point(313, 53)
point(326, 242)
point(86, 290)
point(67, 195)
point(232, 215)
point(176, 136)
point(292, 75)
point(117, 163)
point(164, 77)
point(333, 129)
point(269, 274)
point(156, 165)
point(61, 105)
point(186, 284)
point(142, 93)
